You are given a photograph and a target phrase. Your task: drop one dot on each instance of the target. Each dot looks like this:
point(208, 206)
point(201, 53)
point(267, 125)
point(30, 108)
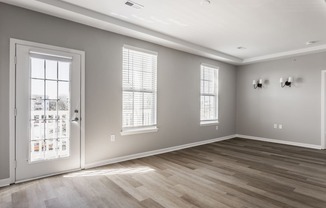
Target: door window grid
point(50, 101)
point(209, 94)
point(139, 89)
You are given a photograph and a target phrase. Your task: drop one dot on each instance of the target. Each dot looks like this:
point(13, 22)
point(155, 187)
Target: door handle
point(75, 119)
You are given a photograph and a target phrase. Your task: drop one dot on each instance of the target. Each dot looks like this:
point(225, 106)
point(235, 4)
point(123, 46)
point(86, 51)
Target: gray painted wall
point(178, 87)
point(298, 108)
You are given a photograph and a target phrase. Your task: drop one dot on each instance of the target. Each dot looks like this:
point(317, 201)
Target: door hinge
point(15, 59)
point(15, 112)
point(15, 163)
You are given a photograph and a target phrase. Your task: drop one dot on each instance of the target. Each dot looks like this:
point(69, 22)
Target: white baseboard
point(155, 152)
point(311, 146)
point(4, 182)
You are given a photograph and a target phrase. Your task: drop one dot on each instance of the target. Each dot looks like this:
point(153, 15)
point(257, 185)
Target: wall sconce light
point(288, 82)
point(257, 84)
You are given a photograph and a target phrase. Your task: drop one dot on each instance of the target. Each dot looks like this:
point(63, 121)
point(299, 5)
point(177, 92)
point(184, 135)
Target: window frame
point(208, 122)
point(142, 128)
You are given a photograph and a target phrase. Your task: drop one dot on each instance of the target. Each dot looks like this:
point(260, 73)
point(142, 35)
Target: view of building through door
point(50, 110)
point(48, 100)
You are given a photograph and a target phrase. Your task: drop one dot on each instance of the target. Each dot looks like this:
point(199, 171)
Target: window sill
point(208, 123)
point(139, 131)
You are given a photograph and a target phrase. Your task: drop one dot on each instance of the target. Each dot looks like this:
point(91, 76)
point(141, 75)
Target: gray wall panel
point(298, 108)
point(178, 87)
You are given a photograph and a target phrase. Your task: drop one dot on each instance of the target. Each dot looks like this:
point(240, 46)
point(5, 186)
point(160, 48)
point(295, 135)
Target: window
point(208, 94)
point(139, 90)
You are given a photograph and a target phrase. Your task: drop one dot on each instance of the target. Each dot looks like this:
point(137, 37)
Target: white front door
point(48, 136)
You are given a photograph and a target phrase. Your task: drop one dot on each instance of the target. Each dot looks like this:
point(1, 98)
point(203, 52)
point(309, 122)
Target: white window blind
point(208, 94)
point(139, 88)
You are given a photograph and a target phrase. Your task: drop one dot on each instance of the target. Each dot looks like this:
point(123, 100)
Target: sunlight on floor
point(106, 172)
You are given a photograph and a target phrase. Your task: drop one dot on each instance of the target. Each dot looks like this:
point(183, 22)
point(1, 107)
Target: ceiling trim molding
point(95, 19)
point(159, 37)
point(286, 54)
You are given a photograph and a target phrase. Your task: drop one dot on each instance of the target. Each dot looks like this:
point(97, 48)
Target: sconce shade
point(257, 83)
point(288, 82)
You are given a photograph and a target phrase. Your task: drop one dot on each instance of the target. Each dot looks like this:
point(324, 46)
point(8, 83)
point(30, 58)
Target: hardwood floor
point(233, 173)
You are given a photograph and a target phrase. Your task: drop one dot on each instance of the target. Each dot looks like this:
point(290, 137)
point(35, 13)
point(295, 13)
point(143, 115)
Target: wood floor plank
point(235, 173)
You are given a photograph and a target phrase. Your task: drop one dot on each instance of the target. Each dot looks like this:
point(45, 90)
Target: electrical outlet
point(275, 126)
point(216, 127)
point(280, 126)
point(112, 138)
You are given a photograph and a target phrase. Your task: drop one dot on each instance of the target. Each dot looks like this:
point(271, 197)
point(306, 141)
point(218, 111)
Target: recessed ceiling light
point(311, 42)
point(134, 4)
point(241, 48)
point(205, 2)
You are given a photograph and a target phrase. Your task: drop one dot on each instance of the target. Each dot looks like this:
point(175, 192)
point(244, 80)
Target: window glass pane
point(202, 110)
point(127, 79)
point(148, 81)
point(37, 68)
point(138, 109)
point(206, 107)
point(148, 109)
point(211, 87)
point(127, 118)
point(138, 80)
point(127, 109)
point(212, 108)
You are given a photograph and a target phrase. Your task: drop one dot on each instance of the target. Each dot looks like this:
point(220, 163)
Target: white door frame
point(323, 108)
point(12, 100)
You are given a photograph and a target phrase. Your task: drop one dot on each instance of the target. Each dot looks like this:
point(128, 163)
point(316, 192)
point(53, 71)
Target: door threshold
point(46, 176)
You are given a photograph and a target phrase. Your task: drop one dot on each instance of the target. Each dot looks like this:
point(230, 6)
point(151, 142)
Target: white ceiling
point(268, 29)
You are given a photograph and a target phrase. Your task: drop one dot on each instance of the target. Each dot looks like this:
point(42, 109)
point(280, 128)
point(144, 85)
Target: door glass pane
point(51, 90)
point(37, 129)
point(37, 89)
point(51, 69)
point(63, 130)
point(51, 149)
point(63, 147)
point(51, 129)
point(64, 71)
point(50, 109)
point(37, 66)
point(64, 90)
point(37, 150)
point(37, 108)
